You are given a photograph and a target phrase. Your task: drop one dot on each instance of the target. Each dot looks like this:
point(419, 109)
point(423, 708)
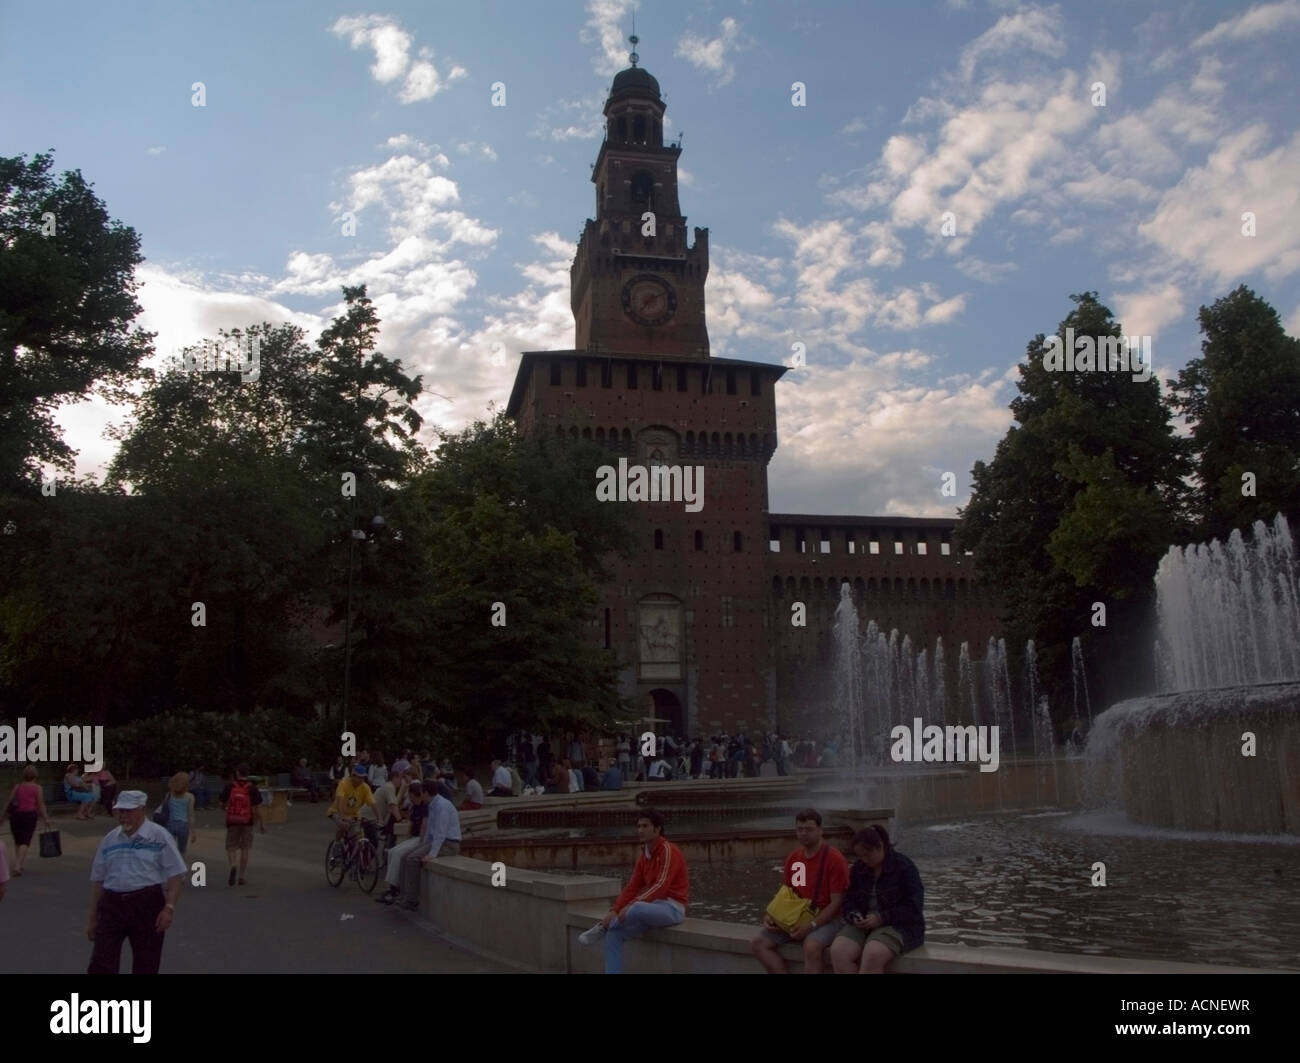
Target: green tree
point(67, 300)
point(1082, 497)
point(497, 518)
point(1242, 398)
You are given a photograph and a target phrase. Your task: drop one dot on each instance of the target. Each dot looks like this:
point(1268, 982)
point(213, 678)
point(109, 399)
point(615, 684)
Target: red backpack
point(239, 809)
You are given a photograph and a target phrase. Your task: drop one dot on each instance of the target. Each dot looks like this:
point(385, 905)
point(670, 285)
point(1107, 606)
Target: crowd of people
point(861, 917)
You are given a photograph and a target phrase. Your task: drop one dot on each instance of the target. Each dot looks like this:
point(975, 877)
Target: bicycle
point(348, 853)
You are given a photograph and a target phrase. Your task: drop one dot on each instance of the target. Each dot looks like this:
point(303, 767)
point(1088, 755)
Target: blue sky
point(825, 220)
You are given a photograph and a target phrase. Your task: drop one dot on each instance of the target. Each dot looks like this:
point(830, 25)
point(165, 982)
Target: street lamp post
point(354, 534)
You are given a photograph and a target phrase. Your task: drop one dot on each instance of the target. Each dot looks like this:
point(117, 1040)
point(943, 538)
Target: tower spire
point(634, 39)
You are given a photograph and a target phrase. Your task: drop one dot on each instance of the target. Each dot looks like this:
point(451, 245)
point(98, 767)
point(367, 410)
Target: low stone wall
point(532, 920)
point(699, 847)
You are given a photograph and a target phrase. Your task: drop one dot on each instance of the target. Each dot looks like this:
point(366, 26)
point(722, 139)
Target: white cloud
point(571, 119)
point(711, 54)
point(156, 151)
point(988, 272)
point(1029, 29)
point(1259, 20)
point(856, 125)
point(405, 142)
point(609, 25)
point(476, 147)
point(1292, 324)
point(1198, 221)
point(1146, 312)
point(870, 440)
point(391, 44)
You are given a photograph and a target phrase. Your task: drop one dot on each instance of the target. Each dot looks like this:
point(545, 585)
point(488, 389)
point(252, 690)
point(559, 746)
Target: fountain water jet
point(1221, 749)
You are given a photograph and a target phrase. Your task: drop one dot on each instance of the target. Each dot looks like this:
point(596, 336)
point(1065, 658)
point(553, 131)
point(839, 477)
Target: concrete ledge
point(532, 921)
point(645, 954)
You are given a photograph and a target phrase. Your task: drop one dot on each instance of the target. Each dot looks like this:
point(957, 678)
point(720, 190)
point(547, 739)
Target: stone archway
point(669, 717)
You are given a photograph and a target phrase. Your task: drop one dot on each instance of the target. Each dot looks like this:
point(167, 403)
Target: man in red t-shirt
point(818, 872)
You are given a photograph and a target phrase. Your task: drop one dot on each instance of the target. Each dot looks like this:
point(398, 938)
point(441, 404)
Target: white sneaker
point(590, 937)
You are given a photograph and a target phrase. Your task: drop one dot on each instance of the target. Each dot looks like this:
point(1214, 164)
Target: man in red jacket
point(655, 897)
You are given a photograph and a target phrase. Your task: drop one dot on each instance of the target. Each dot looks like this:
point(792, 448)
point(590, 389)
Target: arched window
point(638, 129)
point(699, 542)
point(643, 192)
point(622, 130)
point(659, 539)
point(736, 541)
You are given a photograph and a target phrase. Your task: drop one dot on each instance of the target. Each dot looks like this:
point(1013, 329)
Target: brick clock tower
point(636, 287)
point(690, 613)
point(701, 615)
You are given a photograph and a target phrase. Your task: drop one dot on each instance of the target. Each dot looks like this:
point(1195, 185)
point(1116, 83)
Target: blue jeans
point(636, 919)
point(181, 832)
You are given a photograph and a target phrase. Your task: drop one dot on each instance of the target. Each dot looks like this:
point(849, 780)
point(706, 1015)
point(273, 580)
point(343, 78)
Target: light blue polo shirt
point(124, 863)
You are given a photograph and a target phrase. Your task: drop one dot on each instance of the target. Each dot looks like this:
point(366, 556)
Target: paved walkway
point(287, 919)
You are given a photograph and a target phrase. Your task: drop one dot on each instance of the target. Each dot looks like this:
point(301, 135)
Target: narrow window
point(681, 378)
point(774, 545)
point(755, 383)
point(731, 381)
point(658, 381)
point(607, 646)
point(659, 539)
point(945, 549)
point(582, 374)
point(736, 541)
point(920, 549)
point(631, 376)
point(699, 540)
point(606, 375)
point(898, 546)
point(555, 372)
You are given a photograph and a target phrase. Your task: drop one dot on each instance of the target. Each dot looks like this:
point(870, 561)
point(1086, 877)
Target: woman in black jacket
point(882, 909)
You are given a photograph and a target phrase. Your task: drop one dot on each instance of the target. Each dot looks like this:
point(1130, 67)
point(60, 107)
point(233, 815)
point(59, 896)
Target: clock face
point(649, 300)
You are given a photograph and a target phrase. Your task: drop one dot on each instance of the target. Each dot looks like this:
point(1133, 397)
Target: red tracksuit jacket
point(660, 877)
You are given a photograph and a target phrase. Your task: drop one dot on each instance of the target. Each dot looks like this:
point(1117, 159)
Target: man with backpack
point(242, 802)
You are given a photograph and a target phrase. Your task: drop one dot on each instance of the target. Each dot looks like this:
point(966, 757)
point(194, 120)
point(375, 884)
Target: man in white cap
point(135, 882)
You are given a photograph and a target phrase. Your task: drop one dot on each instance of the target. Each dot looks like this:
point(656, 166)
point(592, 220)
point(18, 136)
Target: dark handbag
point(50, 845)
point(163, 816)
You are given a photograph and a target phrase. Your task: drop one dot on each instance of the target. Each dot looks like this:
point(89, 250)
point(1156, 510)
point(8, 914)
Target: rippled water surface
point(1024, 881)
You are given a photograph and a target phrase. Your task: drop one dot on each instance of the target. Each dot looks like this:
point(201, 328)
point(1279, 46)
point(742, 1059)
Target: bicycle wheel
point(336, 863)
point(367, 864)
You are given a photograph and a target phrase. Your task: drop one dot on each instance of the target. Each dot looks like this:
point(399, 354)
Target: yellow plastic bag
point(789, 911)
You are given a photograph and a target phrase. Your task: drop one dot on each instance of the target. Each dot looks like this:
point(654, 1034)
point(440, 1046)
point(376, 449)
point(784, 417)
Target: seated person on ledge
point(818, 872)
point(656, 896)
point(76, 789)
point(883, 908)
point(502, 784)
point(613, 778)
point(473, 791)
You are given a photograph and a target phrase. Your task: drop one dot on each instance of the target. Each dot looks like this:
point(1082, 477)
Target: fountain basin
point(1176, 760)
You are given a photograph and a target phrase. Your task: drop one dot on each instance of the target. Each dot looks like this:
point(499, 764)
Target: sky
point(826, 220)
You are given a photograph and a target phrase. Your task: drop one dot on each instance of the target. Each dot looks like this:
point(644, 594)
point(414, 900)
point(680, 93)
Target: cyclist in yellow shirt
point(352, 795)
